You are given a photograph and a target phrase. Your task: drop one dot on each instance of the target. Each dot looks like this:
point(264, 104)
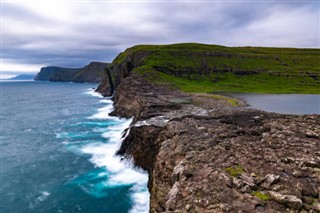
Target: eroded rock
point(290, 200)
point(269, 179)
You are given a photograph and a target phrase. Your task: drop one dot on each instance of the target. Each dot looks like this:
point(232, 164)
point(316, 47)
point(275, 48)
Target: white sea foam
point(127, 175)
point(43, 196)
point(103, 113)
point(141, 200)
point(103, 156)
point(121, 173)
point(108, 101)
point(94, 93)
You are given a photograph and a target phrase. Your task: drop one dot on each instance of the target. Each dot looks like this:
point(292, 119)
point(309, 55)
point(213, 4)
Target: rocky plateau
point(204, 155)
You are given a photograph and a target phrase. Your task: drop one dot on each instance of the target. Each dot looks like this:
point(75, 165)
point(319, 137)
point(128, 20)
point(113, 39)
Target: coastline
point(204, 155)
point(103, 155)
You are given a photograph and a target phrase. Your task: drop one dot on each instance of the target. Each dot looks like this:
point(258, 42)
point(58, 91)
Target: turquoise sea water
point(57, 152)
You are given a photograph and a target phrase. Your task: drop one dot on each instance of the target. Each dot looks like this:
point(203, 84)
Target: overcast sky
point(73, 33)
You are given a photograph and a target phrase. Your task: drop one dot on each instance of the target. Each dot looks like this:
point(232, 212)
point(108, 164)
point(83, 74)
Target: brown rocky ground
point(204, 155)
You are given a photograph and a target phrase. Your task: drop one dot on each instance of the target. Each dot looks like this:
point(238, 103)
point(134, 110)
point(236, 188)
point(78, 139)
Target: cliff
point(93, 72)
point(222, 69)
point(207, 153)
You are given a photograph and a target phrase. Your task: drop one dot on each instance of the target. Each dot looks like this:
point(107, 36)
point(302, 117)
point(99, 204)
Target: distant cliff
point(93, 72)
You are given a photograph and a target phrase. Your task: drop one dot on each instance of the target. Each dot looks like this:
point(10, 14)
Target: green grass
point(212, 68)
point(261, 195)
point(259, 83)
point(232, 101)
point(234, 171)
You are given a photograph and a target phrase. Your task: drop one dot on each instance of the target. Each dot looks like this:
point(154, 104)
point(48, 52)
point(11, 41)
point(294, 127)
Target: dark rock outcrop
point(93, 72)
point(53, 73)
point(106, 88)
point(118, 71)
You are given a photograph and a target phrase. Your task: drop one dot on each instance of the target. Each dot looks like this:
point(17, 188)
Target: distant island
point(23, 77)
point(93, 72)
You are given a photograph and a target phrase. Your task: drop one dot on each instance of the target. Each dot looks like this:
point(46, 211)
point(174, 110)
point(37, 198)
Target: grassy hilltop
point(211, 68)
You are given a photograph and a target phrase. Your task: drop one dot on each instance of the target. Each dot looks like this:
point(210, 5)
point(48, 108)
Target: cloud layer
point(73, 33)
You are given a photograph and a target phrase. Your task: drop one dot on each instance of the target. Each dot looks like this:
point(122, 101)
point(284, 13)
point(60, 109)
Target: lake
point(282, 103)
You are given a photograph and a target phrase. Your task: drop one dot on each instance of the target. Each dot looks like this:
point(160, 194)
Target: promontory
point(206, 152)
point(93, 72)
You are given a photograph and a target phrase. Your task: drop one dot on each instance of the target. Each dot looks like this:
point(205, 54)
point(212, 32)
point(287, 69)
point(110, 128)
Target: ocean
point(58, 149)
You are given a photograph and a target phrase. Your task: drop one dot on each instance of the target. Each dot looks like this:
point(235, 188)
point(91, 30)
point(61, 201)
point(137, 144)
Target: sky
point(38, 33)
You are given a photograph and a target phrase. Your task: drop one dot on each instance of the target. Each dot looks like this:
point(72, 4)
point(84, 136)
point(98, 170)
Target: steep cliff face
point(53, 73)
point(119, 70)
point(93, 72)
point(122, 67)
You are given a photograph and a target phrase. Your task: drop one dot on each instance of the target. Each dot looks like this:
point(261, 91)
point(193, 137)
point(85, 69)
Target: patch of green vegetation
point(232, 101)
point(261, 195)
point(121, 57)
point(211, 68)
point(259, 83)
point(234, 171)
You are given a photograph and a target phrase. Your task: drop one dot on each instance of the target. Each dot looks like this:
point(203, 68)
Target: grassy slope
point(212, 68)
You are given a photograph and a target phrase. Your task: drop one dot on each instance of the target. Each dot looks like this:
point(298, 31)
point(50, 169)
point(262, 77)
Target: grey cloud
point(99, 31)
point(13, 9)
point(71, 58)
